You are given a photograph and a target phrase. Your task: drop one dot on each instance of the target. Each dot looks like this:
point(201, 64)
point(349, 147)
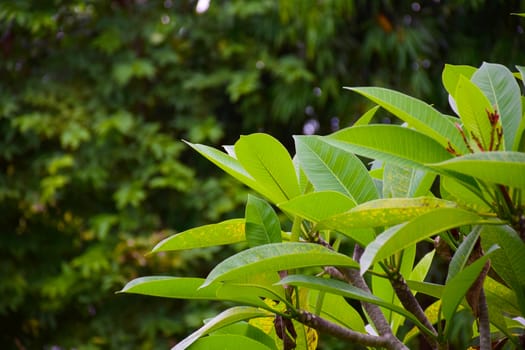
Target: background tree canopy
point(96, 95)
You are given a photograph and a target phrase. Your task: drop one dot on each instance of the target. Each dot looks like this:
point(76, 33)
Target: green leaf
point(420, 271)
point(431, 289)
point(508, 261)
point(190, 288)
point(384, 212)
point(226, 341)
point(262, 223)
point(406, 182)
point(346, 290)
point(335, 308)
point(452, 189)
point(317, 206)
point(226, 232)
point(462, 254)
point(404, 235)
point(225, 318)
point(416, 113)
point(506, 168)
point(473, 107)
point(457, 287)
point(451, 74)
point(367, 117)
point(248, 330)
point(270, 164)
point(171, 287)
point(330, 168)
point(499, 85)
point(276, 257)
point(232, 167)
point(391, 143)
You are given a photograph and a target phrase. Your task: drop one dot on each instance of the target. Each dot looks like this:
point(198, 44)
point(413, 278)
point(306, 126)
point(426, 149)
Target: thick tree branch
point(325, 326)
point(485, 342)
point(409, 302)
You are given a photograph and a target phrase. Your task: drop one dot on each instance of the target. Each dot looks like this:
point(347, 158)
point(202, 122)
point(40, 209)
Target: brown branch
point(353, 277)
point(325, 326)
point(409, 302)
point(485, 342)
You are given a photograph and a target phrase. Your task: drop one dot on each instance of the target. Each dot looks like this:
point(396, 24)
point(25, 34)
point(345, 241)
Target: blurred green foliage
point(95, 96)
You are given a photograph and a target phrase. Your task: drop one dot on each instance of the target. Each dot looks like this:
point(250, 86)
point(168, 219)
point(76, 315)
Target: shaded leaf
point(458, 286)
point(462, 254)
point(428, 224)
point(335, 308)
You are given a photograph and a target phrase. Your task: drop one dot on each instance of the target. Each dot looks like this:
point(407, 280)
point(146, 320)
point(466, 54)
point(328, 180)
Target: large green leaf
point(346, 290)
point(499, 85)
point(276, 257)
point(404, 235)
point(462, 254)
point(391, 143)
point(473, 107)
point(506, 168)
point(225, 318)
point(270, 164)
point(519, 139)
point(262, 223)
point(226, 232)
point(190, 288)
point(384, 212)
point(331, 168)
point(416, 113)
point(456, 288)
point(317, 206)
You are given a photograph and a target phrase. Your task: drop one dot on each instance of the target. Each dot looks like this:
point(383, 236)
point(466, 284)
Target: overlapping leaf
point(426, 225)
point(503, 92)
point(316, 206)
point(330, 168)
point(416, 113)
point(391, 143)
point(505, 168)
point(270, 164)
